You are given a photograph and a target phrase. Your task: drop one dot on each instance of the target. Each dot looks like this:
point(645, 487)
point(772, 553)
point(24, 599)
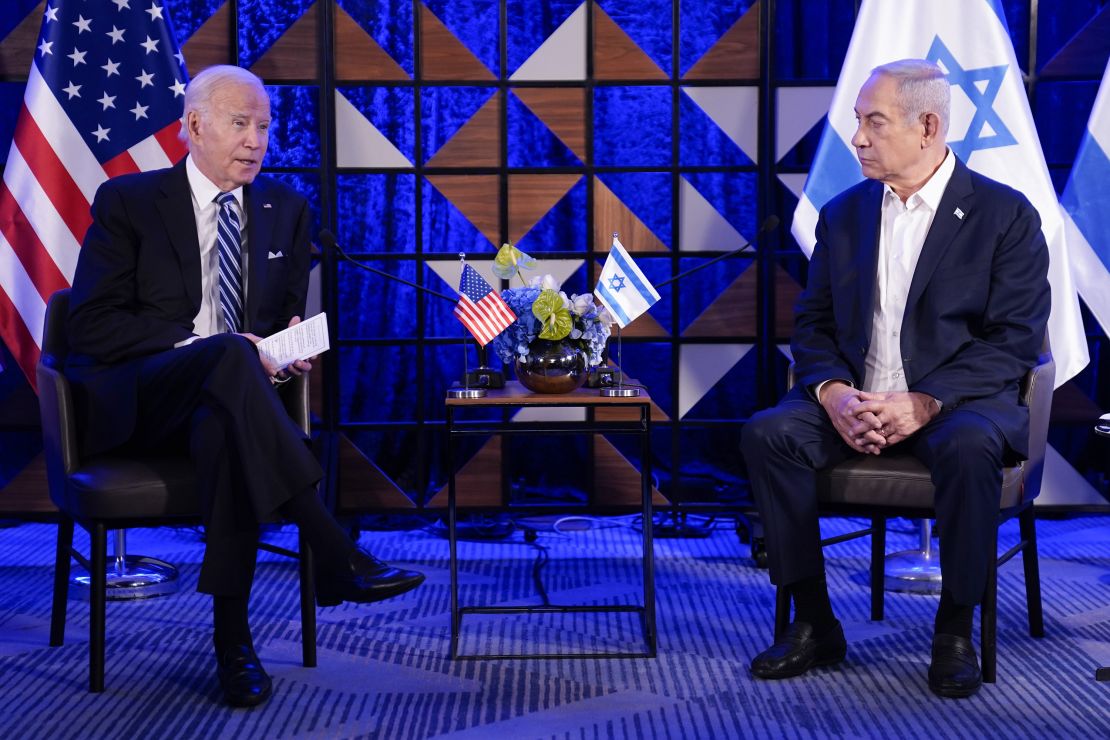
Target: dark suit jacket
point(977, 306)
point(137, 288)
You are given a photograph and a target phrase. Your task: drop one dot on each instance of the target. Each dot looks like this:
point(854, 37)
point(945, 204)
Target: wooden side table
point(514, 396)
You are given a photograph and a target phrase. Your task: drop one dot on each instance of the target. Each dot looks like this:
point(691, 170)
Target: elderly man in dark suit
point(180, 274)
point(926, 304)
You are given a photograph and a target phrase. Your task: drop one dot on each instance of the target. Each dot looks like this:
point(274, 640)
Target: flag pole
point(620, 391)
point(466, 391)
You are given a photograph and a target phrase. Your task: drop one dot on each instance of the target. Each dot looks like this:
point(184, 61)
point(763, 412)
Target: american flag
point(480, 309)
point(104, 98)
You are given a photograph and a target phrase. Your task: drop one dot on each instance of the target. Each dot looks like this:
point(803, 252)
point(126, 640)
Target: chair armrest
point(294, 395)
point(1036, 393)
point(58, 434)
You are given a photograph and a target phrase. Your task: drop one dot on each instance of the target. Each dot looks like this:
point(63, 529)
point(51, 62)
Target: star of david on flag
point(991, 129)
point(104, 97)
point(623, 288)
point(480, 309)
point(1086, 204)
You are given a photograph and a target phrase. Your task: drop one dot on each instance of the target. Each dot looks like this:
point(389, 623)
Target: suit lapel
point(946, 224)
point(176, 208)
point(260, 229)
point(868, 217)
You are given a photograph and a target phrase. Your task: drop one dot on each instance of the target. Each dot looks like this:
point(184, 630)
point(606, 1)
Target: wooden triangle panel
point(1085, 53)
point(443, 56)
point(27, 495)
point(477, 143)
point(644, 325)
point(732, 313)
point(616, 480)
point(735, 54)
point(362, 484)
point(610, 215)
point(477, 196)
point(293, 56)
point(478, 481)
point(358, 56)
point(563, 110)
point(532, 196)
point(211, 43)
point(617, 56)
point(17, 49)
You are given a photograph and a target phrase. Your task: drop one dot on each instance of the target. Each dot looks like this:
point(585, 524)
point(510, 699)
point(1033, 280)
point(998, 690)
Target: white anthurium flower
point(549, 282)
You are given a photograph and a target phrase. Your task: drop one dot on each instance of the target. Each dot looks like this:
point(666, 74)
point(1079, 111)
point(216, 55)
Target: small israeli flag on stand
point(622, 288)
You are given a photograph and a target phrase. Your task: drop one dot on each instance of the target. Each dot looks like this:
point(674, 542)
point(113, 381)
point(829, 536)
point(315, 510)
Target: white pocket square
point(274, 255)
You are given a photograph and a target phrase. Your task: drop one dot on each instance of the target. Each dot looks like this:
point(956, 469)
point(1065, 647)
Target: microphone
point(328, 239)
point(769, 224)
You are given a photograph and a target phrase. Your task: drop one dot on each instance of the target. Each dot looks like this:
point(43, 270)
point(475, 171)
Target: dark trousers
point(785, 445)
point(213, 399)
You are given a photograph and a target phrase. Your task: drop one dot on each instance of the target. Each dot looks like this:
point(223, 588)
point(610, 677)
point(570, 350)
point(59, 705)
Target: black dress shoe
point(954, 671)
point(244, 681)
point(798, 650)
point(363, 580)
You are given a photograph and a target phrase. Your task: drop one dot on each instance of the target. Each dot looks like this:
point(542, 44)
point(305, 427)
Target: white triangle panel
point(359, 143)
point(562, 56)
point(799, 109)
point(702, 227)
point(451, 270)
point(796, 181)
point(700, 366)
point(550, 413)
point(735, 110)
point(558, 269)
point(1062, 485)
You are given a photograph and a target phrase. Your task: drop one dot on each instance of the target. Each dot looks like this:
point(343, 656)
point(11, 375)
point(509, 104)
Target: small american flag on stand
point(480, 309)
point(104, 98)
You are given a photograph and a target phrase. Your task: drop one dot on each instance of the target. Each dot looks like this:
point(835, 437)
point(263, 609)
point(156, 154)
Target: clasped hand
point(871, 422)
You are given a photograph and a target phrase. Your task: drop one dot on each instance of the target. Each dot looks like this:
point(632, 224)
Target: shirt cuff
point(816, 391)
point(186, 342)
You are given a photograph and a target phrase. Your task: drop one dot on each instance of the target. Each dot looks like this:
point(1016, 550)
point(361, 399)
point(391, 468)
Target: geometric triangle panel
point(533, 22)
point(359, 57)
point(187, 17)
point(702, 26)
point(389, 24)
point(389, 110)
point(648, 196)
point(702, 142)
point(726, 34)
point(734, 195)
point(716, 381)
point(562, 227)
point(295, 131)
point(701, 227)
point(802, 152)
point(702, 368)
point(475, 24)
point(632, 126)
point(650, 364)
point(448, 229)
point(532, 143)
point(648, 24)
point(363, 486)
point(798, 110)
point(208, 44)
point(563, 110)
point(263, 22)
point(446, 110)
point(705, 288)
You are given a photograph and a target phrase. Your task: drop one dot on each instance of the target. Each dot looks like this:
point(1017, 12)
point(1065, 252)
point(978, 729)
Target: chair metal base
point(132, 577)
point(914, 571)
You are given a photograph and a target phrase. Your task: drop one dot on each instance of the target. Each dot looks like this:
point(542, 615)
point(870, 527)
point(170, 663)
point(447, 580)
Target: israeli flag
point(1086, 204)
point(622, 288)
point(991, 128)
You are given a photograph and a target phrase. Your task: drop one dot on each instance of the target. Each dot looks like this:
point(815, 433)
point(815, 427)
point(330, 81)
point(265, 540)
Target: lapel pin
point(959, 214)
point(267, 205)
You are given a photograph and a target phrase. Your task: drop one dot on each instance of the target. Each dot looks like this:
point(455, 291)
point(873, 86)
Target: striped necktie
point(229, 240)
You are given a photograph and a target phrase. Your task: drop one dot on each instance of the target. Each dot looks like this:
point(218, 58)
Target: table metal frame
point(515, 396)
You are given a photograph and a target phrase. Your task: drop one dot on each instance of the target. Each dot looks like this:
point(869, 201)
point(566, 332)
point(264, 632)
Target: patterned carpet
point(383, 670)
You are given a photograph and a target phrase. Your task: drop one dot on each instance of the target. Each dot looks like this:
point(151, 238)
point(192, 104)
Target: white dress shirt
point(901, 237)
point(210, 319)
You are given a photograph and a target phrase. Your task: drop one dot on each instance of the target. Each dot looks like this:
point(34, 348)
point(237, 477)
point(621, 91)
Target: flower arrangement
point(545, 312)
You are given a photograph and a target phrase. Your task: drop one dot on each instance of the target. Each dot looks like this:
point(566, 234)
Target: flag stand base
point(466, 392)
point(619, 392)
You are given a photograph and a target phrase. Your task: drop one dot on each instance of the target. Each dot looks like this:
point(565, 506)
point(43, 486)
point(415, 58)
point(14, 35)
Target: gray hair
point(199, 91)
point(922, 88)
